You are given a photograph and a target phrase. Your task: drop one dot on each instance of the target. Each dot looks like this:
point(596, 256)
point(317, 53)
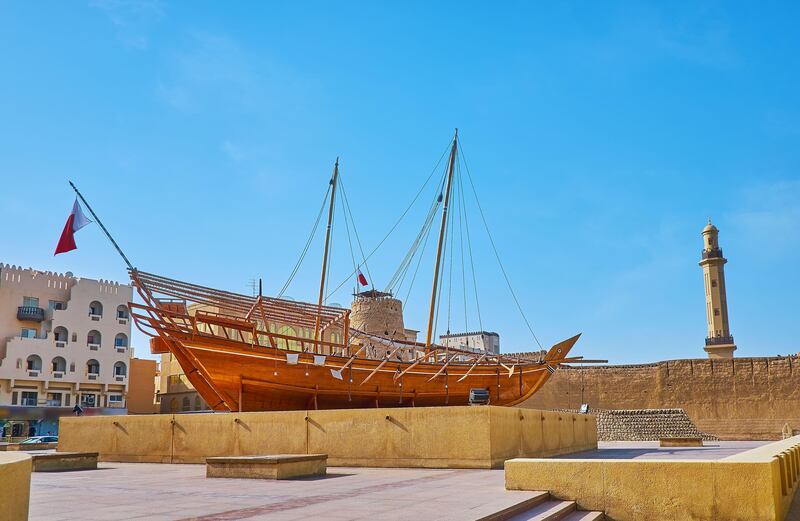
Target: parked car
point(41, 439)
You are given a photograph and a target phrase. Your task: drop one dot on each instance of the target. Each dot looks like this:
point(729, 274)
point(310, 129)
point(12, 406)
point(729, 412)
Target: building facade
point(719, 341)
point(64, 340)
point(484, 342)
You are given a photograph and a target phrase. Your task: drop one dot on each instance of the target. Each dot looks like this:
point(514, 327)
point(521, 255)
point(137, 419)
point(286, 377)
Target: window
point(122, 311)
point(716, 312)
point(93, 367)
point(29, 398)
point(93, 338)
point(713, 283)
point(88, 400)
point(54, 399)
point(55, 304)
point(121, 340)
point(186, 404)
point(30, 302)
point(96, 309)
point(59, 365)
point(28, 333)
point(115, 398)
point(60, 333)
point(120, 369)
point(197, 403)
point(34, 363)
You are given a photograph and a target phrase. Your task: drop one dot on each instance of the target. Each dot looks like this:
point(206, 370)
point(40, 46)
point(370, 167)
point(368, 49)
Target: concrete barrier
point(754, 485)
point(15, 486)
point(28, 446)
point(433, 437)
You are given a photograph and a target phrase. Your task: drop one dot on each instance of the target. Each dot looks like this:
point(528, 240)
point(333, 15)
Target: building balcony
point(58, 374)
point(714, 253)
point(719, 340)
point(93, 347)
point(30, 314)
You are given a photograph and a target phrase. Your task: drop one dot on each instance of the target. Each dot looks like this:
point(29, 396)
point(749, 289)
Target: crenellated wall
point(740, 398)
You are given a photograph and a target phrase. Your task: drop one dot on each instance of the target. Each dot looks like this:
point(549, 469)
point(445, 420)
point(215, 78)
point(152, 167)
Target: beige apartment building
point(64, 340)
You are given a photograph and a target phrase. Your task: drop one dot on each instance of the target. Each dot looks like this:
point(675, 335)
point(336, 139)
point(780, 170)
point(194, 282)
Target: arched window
point(93, 338)
point(173, 405)
point(34, 363)
point(293, 345)
point(120, 369)
point(93, 367)
point(121, 340)
point(60, 334)
point(197, 406)
point(96, 309)
point(186, 404)
point(59, 364)
point(122, 311)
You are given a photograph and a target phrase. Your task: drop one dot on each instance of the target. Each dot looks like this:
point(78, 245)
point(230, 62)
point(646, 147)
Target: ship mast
point(442, 230)
point(325, 252)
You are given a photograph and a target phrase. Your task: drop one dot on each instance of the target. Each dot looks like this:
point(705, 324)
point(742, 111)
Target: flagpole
point(100, 223)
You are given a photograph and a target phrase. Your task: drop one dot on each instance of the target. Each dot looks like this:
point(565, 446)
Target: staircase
point(543, 507)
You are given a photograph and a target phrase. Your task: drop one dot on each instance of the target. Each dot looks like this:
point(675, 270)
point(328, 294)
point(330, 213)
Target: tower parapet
point(719, 341)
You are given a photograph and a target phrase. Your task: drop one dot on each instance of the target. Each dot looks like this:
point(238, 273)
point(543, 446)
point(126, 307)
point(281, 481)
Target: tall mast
point(442, 230)
point(334, 178)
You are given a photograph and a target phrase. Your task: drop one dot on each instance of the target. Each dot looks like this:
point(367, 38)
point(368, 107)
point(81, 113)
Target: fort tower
point(719, 342)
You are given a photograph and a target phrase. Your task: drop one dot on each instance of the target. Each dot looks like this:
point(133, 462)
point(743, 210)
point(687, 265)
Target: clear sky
point(600, 136)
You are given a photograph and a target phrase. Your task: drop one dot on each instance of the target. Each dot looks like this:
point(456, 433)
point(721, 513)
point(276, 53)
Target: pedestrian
point(77, 410)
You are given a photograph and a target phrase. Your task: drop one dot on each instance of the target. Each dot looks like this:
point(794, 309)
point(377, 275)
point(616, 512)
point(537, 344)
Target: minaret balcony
point(713, 253)
point(719, 340)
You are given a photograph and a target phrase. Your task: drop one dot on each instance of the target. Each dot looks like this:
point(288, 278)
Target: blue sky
point(600, 135)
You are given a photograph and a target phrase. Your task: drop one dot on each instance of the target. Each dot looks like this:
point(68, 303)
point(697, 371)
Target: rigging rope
point(355, 232)
point(399, 220)
point(471, 261)
point(494, 249)
point(308, 244)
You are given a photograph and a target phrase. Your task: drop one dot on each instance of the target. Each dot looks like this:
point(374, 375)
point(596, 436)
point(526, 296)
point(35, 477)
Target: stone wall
point(646, 425)
point(740, 398)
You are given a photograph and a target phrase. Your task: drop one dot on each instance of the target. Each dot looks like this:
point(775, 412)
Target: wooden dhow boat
point(258, 353)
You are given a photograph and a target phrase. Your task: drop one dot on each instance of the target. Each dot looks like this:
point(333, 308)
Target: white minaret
point(719, 342)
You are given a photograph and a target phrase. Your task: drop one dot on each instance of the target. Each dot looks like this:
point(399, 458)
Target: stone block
point(64, 461)
point(279, 466)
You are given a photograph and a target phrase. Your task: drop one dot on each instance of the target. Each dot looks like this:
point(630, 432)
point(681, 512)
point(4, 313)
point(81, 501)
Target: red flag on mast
point(75, 221)
point(362, 279)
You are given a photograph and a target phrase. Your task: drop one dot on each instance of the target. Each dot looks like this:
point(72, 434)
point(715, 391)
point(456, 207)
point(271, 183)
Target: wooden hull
point(231, 375)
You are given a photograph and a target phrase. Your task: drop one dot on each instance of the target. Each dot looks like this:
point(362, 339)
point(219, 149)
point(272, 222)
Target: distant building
point(64, 340)
point(719, 341)
point(176, 393)
point(476, 341)
point(142, 386)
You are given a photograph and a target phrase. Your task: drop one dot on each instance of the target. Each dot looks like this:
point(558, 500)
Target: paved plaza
point(168, 492)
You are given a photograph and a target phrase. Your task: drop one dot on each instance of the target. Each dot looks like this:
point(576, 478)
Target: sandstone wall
point(741, 398)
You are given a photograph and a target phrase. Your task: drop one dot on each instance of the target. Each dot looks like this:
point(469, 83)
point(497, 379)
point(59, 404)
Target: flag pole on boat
point(102, 227)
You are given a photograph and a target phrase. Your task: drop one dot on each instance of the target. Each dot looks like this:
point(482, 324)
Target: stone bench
point(278, 466)
point(63, 461)
point(680, 442)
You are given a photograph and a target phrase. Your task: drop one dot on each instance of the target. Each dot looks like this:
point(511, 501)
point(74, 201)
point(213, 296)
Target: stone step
point(537, 498)
point(551, 510)
point(582, 515)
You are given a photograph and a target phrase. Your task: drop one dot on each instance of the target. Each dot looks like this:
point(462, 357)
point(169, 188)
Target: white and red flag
point(75, 222)
point(362, 279)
